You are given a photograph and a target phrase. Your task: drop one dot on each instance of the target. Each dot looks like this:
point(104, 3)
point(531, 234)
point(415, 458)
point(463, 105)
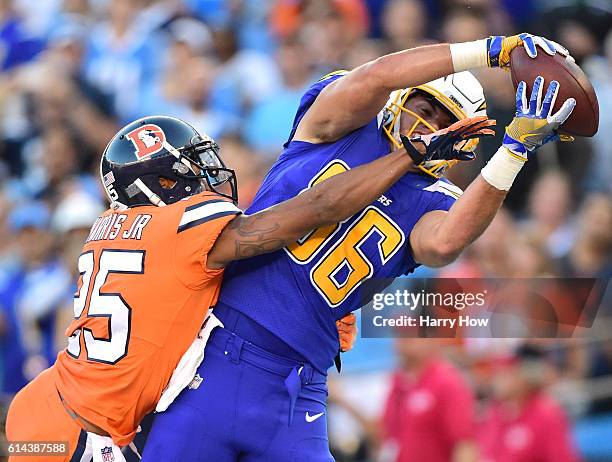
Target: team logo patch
point(107, 454)
point(147, 140)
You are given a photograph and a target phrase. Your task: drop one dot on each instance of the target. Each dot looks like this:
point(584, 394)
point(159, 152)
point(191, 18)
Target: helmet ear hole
point(166, 183)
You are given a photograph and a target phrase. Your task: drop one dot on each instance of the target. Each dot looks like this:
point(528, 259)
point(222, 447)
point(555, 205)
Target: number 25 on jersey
point(113, 346)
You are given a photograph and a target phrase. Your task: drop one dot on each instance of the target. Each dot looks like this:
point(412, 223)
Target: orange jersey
point(143, 292)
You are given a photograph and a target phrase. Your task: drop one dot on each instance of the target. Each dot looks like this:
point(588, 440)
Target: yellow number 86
point(346, 252)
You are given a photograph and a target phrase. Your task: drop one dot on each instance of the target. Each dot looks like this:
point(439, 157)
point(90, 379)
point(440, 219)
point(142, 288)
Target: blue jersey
point(299, 292)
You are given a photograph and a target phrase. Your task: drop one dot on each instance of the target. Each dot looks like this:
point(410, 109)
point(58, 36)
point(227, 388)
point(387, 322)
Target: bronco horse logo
point(147, 140)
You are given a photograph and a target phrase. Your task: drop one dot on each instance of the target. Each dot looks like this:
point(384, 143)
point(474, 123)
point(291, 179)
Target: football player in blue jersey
point(262, 393)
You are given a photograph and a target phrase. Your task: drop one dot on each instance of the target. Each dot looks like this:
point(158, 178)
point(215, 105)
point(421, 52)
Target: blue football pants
point(251, 406)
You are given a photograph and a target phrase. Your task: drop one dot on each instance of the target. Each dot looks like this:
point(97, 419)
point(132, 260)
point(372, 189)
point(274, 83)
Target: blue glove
point(500, 47)
point(533, 124)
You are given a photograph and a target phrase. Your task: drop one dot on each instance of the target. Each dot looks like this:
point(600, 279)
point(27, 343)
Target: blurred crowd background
point(73, 71)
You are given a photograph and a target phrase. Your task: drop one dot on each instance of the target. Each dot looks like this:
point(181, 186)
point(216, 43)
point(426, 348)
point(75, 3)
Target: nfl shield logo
point(195, 382)
point(107, 454)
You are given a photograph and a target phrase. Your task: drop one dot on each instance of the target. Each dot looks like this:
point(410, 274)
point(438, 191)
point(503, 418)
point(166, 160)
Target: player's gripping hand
point(500, 47)
point(534, 124)
point(347, 331)
point(448, 143)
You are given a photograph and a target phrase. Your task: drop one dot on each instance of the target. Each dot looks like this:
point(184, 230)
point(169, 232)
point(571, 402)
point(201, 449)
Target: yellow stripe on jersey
point(331, 74)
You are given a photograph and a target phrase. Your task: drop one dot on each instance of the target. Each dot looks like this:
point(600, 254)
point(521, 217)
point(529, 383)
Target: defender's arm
point(353, 100)
point(328, 202)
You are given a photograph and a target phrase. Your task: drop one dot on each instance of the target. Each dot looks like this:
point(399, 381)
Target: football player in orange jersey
point(151, 268)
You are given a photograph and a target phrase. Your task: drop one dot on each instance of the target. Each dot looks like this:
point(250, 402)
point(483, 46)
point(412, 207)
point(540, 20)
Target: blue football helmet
point(152, 148)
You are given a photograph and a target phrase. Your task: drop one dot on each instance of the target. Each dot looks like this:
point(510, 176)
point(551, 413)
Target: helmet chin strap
point(153, 198)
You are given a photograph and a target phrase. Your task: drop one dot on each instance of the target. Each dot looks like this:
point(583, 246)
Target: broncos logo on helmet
point(147, 140)
point(461, 94)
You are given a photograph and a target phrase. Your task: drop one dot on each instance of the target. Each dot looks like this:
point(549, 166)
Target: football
point(584, 120)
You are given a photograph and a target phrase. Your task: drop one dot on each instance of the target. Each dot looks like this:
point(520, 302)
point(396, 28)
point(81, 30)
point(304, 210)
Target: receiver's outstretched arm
point(356, 98)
